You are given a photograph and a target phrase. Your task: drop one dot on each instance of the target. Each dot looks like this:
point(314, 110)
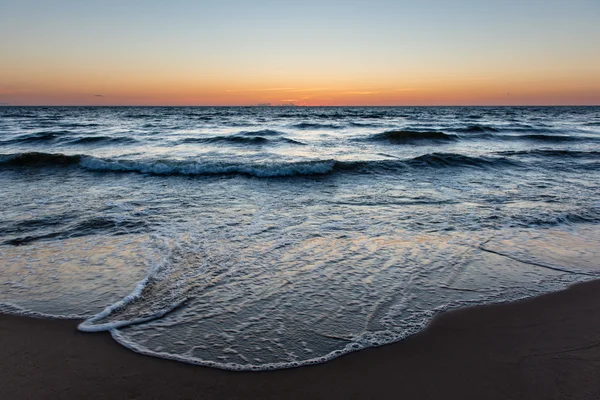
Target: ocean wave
point(365, 124)
point(524, 132)
point(164, 167)
point(64, 137)
point(42, 230)
point(445, 160)
point(167, 167)
point(476, 132)
point(80, 125)
point(540, 137)
point(243, 139)
point(548, 138)
point(260, 170)
point(476, 129)
point(38, 137)
point(405, 136)
point(313, 125)
point(584, 215)
point(102, 140)
point(550, 153)
point(262, 132)
point(227, 139)
point(36, 159)
point(137, 116)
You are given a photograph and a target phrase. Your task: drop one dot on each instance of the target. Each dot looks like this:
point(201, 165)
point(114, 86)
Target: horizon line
point(298, 106)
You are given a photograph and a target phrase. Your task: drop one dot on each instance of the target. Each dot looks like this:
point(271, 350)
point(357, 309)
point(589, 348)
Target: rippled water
point(254, 238)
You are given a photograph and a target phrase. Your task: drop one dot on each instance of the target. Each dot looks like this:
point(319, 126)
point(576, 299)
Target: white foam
point(367, 340)
point(91, 325)
point(14, 309)
point(244, 290)
point(370, 339)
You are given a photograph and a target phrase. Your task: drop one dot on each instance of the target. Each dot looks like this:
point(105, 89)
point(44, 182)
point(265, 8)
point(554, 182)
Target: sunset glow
point(314, 53)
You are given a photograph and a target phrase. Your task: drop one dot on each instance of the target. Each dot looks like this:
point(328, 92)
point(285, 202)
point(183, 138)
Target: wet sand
point(542, 348)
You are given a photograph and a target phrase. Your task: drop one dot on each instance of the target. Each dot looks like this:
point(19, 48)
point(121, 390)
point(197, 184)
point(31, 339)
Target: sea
point(255, 238)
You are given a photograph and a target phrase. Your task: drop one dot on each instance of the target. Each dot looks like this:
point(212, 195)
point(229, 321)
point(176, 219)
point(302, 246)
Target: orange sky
point(233, 53)
point(443, 92)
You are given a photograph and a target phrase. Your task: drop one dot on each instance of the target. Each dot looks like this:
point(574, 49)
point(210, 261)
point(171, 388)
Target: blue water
point(271, 237)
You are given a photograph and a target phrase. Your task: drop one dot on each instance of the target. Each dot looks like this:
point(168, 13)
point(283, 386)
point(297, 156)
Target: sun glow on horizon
point(317, 53)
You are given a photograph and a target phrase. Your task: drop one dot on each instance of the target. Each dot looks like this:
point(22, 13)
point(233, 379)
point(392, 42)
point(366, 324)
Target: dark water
point(254, 238)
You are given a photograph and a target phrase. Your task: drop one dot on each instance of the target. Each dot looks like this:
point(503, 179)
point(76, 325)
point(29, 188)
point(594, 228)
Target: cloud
point(98, 95)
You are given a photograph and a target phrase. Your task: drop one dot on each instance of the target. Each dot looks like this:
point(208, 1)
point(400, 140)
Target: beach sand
point(542, 348)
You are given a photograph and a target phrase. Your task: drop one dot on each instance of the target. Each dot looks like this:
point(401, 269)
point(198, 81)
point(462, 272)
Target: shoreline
point(536, 348)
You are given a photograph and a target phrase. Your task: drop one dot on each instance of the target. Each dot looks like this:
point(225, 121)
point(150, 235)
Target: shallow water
point(256, 238)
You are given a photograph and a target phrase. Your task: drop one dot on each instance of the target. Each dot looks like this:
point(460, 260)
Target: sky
point(244, 52)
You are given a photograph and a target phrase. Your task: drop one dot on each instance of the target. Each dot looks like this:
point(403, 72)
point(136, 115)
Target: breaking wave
point(260, 170)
